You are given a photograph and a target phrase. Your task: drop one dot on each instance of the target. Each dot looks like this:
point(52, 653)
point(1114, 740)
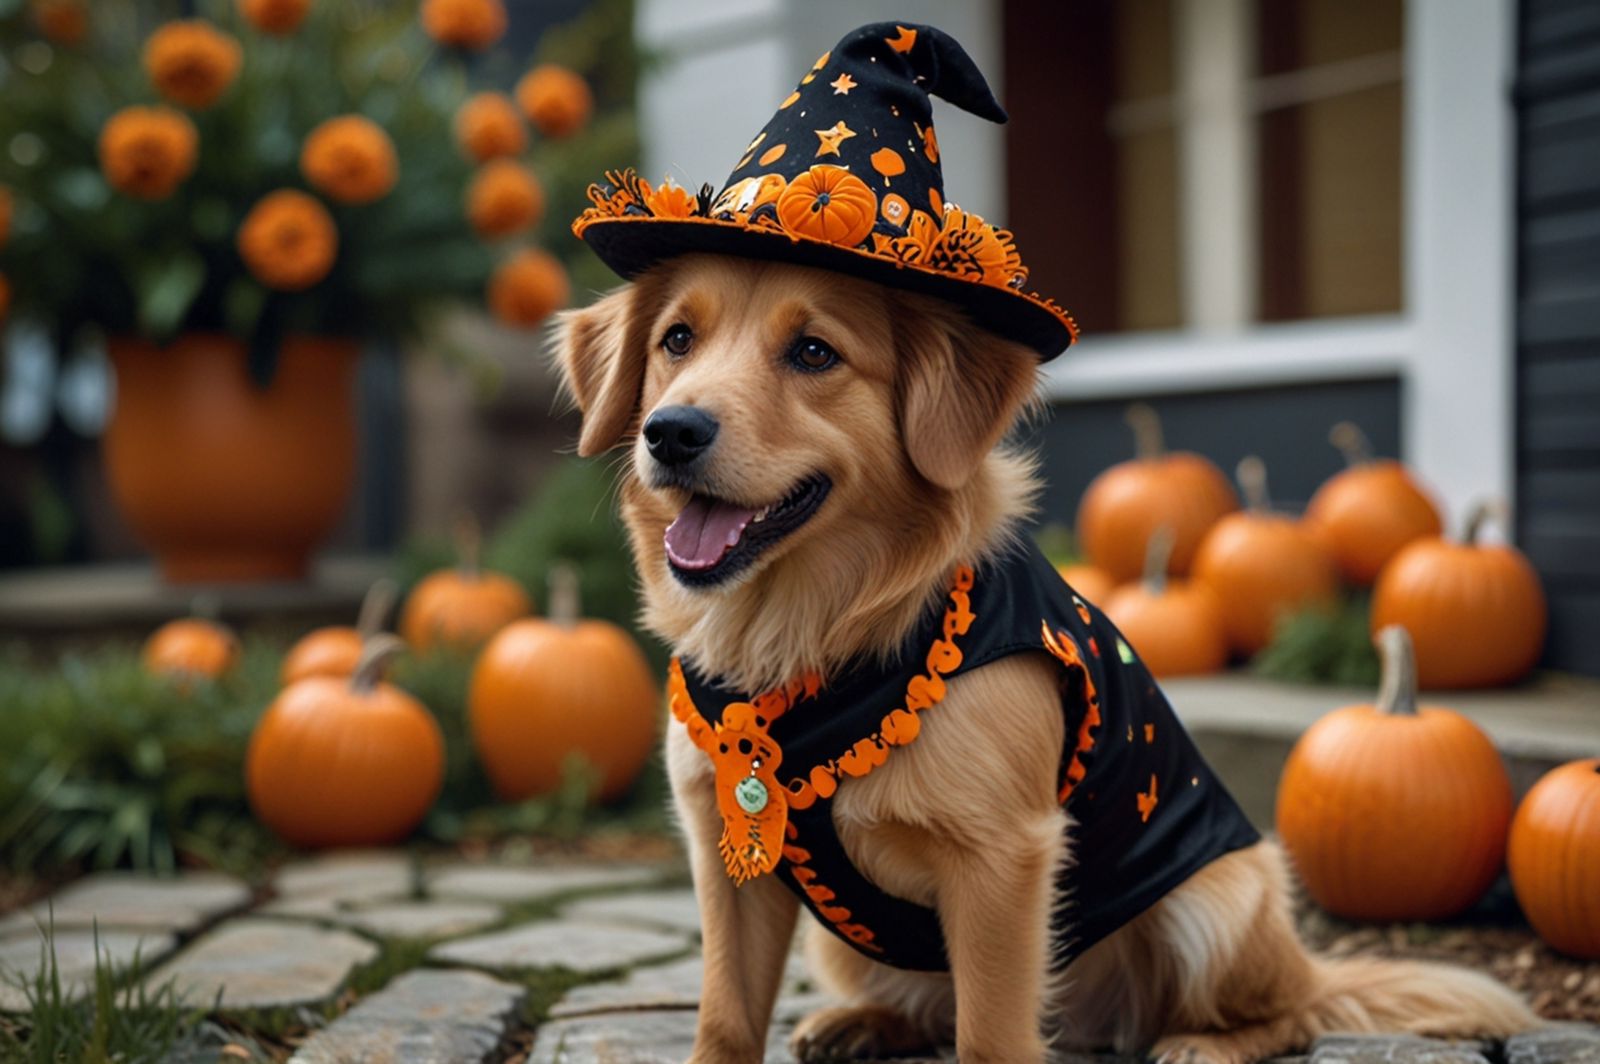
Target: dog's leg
point(889, 1012)
point(995, 906)
point(745, 931)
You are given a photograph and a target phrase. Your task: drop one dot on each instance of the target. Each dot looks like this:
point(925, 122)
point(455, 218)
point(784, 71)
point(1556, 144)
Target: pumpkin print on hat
point(850, 166)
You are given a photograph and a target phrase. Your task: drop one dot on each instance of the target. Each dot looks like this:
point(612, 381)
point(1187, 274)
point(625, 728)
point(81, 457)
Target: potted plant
point(236, 205)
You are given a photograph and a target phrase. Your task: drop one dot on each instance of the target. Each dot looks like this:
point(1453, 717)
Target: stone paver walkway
point(602, 958)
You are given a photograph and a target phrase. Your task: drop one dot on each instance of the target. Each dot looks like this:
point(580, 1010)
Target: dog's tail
point(1367, 994)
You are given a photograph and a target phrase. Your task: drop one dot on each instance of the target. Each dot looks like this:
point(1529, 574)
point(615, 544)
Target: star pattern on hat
point(833, 137)
point(905, 40)
point(842, 85)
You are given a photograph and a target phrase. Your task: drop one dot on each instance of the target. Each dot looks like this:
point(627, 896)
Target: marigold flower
point(63, 21)
point(528, 287)
point(146, 152)
point(556, 100)
point(350, 159)
point(191, 62)
point(488, 127)
point(669, 200)
point(504, 198)
point(275, 16)
point(470, 24)
point(288, 240)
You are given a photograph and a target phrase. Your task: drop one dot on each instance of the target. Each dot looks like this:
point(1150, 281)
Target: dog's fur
point(909, 428)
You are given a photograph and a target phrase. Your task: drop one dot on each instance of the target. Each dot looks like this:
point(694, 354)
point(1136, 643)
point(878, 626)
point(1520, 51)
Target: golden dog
point(901, 405)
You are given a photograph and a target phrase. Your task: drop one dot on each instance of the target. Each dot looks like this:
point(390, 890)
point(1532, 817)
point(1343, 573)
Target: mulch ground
point(1558, 987)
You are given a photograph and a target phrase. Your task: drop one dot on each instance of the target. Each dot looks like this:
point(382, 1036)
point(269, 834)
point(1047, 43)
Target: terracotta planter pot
point(222, 480)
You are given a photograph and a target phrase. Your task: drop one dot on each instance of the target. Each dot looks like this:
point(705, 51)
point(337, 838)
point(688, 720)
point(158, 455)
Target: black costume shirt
point(1147, 811)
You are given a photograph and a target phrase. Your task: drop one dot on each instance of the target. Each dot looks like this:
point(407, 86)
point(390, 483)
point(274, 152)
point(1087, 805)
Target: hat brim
point(631, 244)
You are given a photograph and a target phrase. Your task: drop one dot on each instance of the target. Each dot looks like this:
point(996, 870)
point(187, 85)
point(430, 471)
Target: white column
point(1215, 46)
point(1459, 395)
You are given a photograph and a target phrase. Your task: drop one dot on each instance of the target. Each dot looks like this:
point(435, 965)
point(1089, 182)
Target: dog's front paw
point(1198, 1049)
point(855, 1032)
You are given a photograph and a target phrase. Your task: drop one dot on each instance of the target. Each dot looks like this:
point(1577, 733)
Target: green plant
point(119, 1019)
point(1323, 645)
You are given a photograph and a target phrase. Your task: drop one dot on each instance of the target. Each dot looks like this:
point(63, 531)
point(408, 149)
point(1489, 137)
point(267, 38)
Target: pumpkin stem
point(1146, 425)
point(1352, 443)
point(1157, 552)
point(468, 535)
point(1480, 515)
point(375, 607)
point(1252, 475)
point(376, 654)
point(1397, 689)
point(565, 606)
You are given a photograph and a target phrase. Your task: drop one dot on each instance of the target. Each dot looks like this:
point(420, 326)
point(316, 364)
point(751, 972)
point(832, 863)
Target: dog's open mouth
point(712, 540)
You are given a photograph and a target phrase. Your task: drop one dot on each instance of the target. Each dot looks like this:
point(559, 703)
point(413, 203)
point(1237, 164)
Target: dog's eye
point(812, 355)
point(678, 340)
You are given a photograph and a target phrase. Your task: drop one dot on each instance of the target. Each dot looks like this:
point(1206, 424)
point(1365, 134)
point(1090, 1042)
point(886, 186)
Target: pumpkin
point(1367, 513)
point(1125, 504)
point(191, 647)
point(828, 203)
point(462, 607)
point(1554, 857)
point(1262, 565)
point(340, 761)
point(1174, 625)
point(1394, 811)
point(336, 649)
point(546, 691)
point(1092, 584)
point(1477, 611)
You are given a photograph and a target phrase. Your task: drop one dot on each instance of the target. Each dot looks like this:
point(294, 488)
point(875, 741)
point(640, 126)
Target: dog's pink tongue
point(704, 532)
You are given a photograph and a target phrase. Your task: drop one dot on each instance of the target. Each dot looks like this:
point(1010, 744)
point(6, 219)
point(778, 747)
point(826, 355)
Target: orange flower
point(63, 21)
point(488, 127)
point(275, 16)
point(350, 159)
point(146, 152)
point(191, 62)
point(504, 198)
point(528, 287)
point(288, 240)
point(556, 100)
point(670, 201)
point(470, 24)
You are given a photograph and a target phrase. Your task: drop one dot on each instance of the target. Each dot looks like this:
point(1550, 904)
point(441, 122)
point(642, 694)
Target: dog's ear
point(600, 354)
point(960, 388)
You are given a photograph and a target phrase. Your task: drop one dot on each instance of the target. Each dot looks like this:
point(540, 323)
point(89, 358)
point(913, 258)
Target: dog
point(745, 385)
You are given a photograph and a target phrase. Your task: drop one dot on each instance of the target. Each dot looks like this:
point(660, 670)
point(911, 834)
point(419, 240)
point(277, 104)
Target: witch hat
point(846, 177)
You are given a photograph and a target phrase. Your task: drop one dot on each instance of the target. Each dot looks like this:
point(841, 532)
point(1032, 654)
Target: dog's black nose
point(677, 435)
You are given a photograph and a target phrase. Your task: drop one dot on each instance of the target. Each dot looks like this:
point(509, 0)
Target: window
point(1209, 163)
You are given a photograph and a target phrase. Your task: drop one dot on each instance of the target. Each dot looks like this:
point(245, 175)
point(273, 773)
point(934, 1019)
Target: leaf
point(166, 290)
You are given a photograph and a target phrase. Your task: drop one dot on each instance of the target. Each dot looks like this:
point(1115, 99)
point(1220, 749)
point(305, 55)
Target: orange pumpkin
point(1391, 811)
point(556, 100)
point(1125, 504)
point(1476, 611)
point(191, 647)
point(828, 203)
point(1175, 626)
point(1092, 583)
point(345, 762)
point(462, 607)
point(1367, 513)
point(1554, 857)
point(336, 649)
point(1261, 566)
point(544, 691)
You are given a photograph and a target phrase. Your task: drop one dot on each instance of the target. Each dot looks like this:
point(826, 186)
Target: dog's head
point(780, 416)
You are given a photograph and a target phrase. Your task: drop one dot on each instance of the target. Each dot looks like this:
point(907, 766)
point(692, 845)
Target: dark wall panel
point(1287, 427)
point(1558, 318)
